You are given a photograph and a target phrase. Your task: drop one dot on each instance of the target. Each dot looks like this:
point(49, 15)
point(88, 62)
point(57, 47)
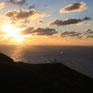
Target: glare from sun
point(13, 32)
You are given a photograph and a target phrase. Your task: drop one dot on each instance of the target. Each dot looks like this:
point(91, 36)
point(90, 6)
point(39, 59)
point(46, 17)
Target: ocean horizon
point(79, 58)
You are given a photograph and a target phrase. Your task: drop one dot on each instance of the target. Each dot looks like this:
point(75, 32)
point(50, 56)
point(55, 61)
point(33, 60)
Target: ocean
point(79, 58)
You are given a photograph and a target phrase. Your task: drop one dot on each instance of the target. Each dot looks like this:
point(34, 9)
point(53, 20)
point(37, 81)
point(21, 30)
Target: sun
point(12, 32)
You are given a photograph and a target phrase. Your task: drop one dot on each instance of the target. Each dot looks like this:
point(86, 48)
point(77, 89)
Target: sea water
point(79, 58)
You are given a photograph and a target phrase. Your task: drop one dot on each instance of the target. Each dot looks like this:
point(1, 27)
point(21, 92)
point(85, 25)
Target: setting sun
point(12, 32)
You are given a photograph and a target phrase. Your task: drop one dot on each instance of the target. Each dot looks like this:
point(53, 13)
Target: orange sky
point(41, 24)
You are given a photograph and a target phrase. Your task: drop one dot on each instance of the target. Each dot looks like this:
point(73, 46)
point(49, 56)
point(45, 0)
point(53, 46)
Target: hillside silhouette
point(41, 78)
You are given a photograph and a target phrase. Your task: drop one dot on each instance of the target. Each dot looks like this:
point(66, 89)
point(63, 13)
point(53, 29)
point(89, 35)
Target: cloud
point(71, 34)
point(73, 21)
point(16, 2)
point(32, 6)
point(39, 31)
point(89, 31)
point(2, 5)
point(41, 21)
point(22, 14)
point(87, 18)
point(74, 7)
point(27, 31)
point(90, 36)
point(11, 13)
point(45, 31)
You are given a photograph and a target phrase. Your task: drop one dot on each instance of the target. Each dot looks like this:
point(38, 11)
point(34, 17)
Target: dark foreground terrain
point(41, 78)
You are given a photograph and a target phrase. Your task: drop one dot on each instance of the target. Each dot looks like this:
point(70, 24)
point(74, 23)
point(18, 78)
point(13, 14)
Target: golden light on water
point(12, 32)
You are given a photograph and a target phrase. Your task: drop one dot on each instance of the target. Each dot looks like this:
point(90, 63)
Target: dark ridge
point(5, 58)
point(41, 78)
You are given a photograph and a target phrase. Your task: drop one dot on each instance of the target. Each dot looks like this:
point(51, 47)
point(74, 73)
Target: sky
point(46, 22)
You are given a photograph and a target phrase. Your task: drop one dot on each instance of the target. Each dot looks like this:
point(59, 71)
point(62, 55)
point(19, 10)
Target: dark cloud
point(39, 31)
point(22, 14)
point(25, 14)
point(32, 6)
point(90, 36)
point(74, 7)
point(73, 21)
point(45, 31)
point(17, 2)
point(87, 18)
point(89, 31)
point(71, 34)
